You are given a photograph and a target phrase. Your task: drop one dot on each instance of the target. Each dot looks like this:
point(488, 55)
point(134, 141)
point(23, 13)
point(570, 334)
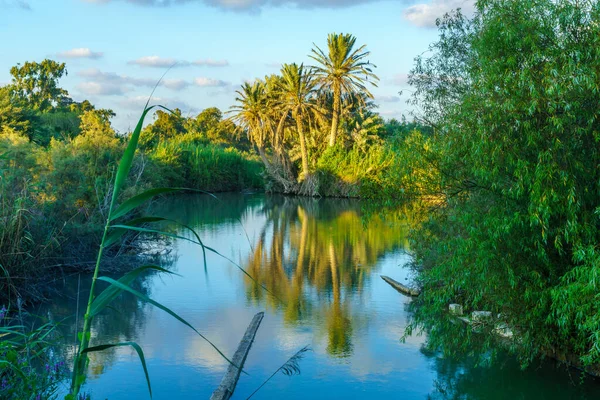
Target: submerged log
point(405, 290)
point(229, 381)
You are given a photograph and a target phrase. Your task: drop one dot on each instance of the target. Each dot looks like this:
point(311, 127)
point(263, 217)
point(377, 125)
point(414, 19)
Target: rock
point(503, 330)
point(455, 309)
point(478, 316)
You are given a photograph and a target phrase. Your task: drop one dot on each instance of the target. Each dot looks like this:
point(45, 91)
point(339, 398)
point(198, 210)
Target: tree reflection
point(314, 256)
point(465, 379)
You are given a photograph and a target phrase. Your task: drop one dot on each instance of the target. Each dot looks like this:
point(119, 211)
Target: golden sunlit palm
point(343, 71)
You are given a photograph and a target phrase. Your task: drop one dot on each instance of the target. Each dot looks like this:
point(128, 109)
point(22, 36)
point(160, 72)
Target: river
point(321, 261)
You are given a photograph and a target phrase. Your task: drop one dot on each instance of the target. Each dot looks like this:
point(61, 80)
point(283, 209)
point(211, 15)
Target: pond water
point(321, 261)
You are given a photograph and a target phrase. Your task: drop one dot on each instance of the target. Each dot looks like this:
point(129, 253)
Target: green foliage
point(287, 116)
point(28, 369)
point(167, 125)
point(186, 162)
point(37, 83)
point(512, 96)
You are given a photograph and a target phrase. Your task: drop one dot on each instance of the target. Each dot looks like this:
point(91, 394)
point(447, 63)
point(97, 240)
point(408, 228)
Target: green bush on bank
point(53, 198)
point(516, 146)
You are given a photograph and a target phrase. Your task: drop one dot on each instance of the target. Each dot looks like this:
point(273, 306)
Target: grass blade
point(14, 368)
point(137, 348)
point(289, 368)
point(111, 292)
point(138, 200)
point(127, 159)
point(116, 234)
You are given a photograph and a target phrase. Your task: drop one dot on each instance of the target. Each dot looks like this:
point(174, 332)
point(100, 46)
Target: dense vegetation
point(57, 163)
point(512, 95)
point(504, 157)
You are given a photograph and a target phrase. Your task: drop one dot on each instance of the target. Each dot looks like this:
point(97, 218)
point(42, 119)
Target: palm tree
point(296, 96)
point(250, 112)
point(253, 112)
point(343, 71)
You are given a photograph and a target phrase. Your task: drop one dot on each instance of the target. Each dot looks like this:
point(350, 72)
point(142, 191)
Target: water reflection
point(314, 257)
point(320, 260)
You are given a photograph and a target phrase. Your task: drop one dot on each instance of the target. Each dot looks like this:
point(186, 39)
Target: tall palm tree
point(250, 108)
point(296, 96)
point(254, 113)
point(343, 71)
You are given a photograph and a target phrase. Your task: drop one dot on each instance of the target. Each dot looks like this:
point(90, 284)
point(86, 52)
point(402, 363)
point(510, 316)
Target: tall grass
point(113, 230)
point(206, 166)
point(28, 369)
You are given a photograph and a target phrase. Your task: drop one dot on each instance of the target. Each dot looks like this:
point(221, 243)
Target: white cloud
point(209, 62)
point(209, 82)
point(425, 14)
point(112, 80)
point(80, 52)
point(101, 89)
point(248, 5)
point(158, 62)
point(174, 84)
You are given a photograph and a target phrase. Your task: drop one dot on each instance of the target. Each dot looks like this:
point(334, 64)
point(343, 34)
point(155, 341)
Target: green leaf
point(14, 368)
point(137, 348)
point(148, 230)
point(116, 234)
point(140, 199)
point(127, 159)
point(111, 292)
point(147, 299)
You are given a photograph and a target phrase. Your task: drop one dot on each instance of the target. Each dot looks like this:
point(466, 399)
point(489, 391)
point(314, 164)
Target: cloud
point(425, 14)
point(209, 82)
point(247, 5)
point(102, 89)
point(109, 83)
point(158, 62)
point(22, 4)
point(209, 62)
point(174, 84)
point(80, 52)
point(388, 99)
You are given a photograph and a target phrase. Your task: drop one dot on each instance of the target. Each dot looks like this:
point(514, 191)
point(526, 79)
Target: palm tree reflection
point(315, 257)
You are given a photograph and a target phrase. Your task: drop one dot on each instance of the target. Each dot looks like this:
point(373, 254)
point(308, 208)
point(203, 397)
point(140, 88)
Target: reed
point(114, 228)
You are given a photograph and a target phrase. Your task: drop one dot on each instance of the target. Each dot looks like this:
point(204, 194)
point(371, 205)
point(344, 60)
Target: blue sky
point(115, 50)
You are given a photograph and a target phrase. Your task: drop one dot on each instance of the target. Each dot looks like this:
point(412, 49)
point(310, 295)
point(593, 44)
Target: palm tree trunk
point(335, 117)
point(302, 147)
point(288, 185)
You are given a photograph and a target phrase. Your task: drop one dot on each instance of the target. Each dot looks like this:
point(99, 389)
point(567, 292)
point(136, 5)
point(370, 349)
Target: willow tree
point(296, 96)
point(342, 70)
point(518, 148)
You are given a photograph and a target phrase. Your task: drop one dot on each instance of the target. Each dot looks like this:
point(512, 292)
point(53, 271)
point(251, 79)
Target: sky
point(116, 50)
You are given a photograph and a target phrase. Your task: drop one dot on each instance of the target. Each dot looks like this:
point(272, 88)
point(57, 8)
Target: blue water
point(322, 261)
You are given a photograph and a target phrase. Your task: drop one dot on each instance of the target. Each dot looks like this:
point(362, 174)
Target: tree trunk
point(302, 147)
point(288, 185)
point(335, 117)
